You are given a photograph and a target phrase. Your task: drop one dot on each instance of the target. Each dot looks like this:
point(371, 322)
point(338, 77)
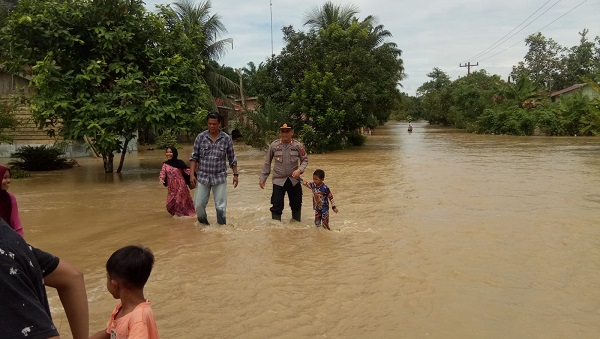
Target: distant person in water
point(322, 197)
point(8, 203)
point(410, 127)
point(175, 174)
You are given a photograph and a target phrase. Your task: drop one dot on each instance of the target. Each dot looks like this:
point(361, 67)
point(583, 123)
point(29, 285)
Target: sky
point(446, 34)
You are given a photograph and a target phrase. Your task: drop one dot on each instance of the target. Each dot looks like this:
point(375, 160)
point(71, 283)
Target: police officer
point(289, 156)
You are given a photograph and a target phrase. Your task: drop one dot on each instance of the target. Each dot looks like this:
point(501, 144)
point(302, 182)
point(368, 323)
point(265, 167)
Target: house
point(584, 89)
point(16, 87)
point(234, 112)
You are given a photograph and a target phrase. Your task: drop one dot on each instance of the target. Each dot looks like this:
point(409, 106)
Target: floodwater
point(440, 234)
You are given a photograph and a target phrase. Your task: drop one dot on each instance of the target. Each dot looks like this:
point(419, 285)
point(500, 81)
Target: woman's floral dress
point(179, 200)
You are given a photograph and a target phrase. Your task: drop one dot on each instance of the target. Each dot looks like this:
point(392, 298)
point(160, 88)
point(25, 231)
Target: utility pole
point(468, 66)
point(271, 8)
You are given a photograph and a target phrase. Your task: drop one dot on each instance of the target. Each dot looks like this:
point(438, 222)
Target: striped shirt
point(210, 157)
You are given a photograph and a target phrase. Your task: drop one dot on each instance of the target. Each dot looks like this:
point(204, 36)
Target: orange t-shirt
point(138, 324)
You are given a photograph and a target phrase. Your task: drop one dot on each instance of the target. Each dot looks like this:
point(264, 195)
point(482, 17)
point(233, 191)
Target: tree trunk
point(123, 152)
point(108, 162)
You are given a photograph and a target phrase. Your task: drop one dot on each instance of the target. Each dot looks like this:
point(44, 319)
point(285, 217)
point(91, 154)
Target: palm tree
point(321, 17)
point(204, 30)
point(249, 77)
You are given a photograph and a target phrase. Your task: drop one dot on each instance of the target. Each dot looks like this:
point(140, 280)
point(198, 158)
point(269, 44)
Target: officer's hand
point(261, 184)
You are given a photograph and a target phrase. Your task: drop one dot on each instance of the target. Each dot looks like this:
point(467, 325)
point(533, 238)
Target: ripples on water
point(440, 233)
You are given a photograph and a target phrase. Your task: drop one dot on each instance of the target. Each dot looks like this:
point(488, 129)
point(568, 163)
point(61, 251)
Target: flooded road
point(440, 234)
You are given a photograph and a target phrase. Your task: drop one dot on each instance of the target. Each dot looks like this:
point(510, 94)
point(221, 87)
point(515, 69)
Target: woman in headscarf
point(175, 174)
point(8, 203)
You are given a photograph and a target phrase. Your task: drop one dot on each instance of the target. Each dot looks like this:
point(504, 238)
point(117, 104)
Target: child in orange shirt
point(128, 270)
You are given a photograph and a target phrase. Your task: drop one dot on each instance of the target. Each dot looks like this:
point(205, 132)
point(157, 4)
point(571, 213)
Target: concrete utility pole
point(468, 66)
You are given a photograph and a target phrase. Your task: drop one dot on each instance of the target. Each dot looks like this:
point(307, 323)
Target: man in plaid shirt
point(208, 169)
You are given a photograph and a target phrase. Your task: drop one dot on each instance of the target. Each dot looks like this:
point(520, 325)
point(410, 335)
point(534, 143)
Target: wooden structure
point(26, 133)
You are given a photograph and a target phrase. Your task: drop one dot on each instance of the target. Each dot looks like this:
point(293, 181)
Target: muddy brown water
point(440, 234)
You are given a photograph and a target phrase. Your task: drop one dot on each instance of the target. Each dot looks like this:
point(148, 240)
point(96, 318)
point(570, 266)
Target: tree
point(470, 96)
point(542, 61)
point(203, 30)
point(102, 70)
point(339, 76)
point(329, 13)
point(249, 77)
point(580, 62)
point(435, 97)
point(5, 7)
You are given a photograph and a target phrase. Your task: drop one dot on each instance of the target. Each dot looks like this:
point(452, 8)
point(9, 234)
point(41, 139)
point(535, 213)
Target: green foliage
point(40, 158)
point(551, 66)
point(338, 77)
point(105, 69)
point(197, 32)
point(506, 120)
point(357, 139)
point(7, 119)
point(17, 173)
point(260, 127)
point(166, 139)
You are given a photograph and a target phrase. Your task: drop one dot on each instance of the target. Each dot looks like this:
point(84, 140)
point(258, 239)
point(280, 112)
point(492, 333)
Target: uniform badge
point(302, 151)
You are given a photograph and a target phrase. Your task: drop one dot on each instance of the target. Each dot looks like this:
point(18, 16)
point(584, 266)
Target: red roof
point(568, 89)
point(220, 103)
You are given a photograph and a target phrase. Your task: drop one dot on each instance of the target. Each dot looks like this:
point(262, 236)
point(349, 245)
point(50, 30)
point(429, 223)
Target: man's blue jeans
point(201, 199)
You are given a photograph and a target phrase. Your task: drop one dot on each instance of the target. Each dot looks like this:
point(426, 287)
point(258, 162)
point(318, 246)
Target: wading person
point(128, 270)
point(175, 174)
point(212, 149)
point(322, 198)
point(290, 161)
point(8, 203)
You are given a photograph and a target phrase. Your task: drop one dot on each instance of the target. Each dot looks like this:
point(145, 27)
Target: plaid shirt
point(210, 157)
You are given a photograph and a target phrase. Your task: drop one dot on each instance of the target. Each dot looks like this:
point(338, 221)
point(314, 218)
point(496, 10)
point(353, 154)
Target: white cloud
point(435, 33)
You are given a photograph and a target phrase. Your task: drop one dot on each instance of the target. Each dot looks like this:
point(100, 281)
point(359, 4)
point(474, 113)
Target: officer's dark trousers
point(294, 195)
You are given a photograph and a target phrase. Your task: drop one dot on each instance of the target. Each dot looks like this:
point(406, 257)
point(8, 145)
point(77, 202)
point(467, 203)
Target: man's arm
point(303, 159)
point(266, 168)
point(193, 167)
point(69, 284)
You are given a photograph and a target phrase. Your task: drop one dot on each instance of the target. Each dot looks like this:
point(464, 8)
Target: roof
point(568, 89)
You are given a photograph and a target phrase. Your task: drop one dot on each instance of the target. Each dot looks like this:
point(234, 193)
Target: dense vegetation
point(110, 71)
point(339, 76)
point(485, 103)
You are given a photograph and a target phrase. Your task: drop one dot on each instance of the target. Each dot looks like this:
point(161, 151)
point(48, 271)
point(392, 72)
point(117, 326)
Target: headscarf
point(5, 203)
point(174, 161)
point(178, 163)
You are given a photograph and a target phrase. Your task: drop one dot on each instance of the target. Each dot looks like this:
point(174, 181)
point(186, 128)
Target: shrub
point(17, 173)
point(357, 139)
point(168, 138)
point(40, 158)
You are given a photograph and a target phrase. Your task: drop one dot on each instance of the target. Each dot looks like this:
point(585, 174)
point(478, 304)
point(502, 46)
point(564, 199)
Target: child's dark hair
point(320, 173)
point(132, 264)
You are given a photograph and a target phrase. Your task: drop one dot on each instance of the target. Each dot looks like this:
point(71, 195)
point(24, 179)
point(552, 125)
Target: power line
point(502, 38)
point(518, 42)
point(522, 28)
point(468, 66)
